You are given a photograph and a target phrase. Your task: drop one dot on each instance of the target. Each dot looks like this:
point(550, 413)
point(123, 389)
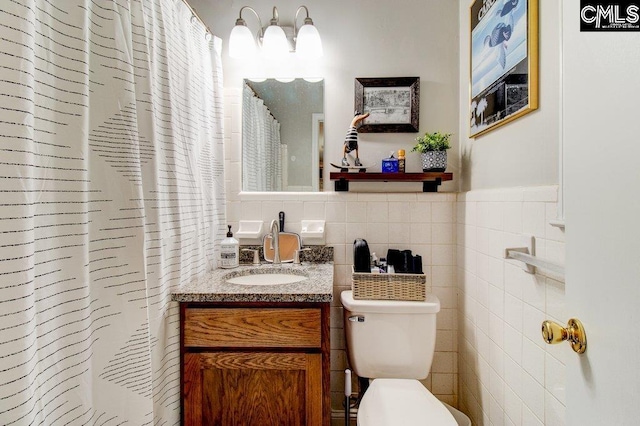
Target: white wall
point(404, 38)
point(525, 151)
point(509, 182)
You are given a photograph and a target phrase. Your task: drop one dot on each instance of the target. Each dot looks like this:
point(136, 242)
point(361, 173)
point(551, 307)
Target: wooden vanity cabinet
point(255, 363)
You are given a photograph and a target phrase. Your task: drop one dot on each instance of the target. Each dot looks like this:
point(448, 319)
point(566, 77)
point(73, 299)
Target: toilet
point(392, 342)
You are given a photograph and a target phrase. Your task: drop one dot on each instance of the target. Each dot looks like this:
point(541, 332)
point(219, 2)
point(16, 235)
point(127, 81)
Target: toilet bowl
point(403, 402)
point(392, 342)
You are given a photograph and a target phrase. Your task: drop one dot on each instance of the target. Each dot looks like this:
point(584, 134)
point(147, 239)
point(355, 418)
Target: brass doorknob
point(553, 333)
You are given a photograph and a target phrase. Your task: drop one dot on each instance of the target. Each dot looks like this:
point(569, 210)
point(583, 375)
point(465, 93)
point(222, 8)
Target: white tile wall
point(351, 216)
point(508, 376)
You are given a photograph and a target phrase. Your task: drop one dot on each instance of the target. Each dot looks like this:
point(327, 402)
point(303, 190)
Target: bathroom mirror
point(282, 134)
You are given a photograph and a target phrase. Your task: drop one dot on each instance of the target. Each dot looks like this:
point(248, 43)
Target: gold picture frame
point(503, 63)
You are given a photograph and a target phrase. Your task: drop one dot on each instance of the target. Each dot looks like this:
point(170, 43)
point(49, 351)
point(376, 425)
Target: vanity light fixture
point(241, 41)
point(276, 40)
point(308, 42)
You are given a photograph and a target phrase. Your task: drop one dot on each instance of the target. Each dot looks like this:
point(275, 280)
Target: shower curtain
point(111, 184)
point(262, 151)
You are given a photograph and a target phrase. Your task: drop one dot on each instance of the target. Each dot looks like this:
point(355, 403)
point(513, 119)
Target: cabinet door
point(231, 388)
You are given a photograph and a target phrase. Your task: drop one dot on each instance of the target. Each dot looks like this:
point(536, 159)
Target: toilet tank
point(390, 339)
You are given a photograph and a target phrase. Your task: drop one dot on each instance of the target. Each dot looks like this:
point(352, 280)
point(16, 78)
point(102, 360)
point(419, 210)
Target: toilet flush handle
point(356, 318)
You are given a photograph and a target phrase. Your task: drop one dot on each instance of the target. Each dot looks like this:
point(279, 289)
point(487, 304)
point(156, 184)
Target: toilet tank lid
point(431, 305)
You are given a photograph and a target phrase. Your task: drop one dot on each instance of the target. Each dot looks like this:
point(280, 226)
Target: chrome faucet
point(275, 241)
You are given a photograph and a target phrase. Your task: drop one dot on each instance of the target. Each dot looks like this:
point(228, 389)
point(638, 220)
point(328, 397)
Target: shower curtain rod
point(255, 95)
point(194, 13)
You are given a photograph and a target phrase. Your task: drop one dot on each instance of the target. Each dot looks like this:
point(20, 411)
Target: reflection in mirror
point(282, 135)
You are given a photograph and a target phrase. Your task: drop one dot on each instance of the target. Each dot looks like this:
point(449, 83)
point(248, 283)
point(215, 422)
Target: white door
point(601, 137)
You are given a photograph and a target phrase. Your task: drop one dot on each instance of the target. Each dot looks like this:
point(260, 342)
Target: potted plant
point(433, 147)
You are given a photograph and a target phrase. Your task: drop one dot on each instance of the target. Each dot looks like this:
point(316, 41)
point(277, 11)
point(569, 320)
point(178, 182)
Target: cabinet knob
point(553, 333)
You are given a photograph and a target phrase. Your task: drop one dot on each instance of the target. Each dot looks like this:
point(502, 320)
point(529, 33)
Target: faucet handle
point(296, 259)
point(256, 258)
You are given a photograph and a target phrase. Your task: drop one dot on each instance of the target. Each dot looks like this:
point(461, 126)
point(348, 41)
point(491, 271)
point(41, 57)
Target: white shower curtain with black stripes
point(111, 195)
point(263, 154)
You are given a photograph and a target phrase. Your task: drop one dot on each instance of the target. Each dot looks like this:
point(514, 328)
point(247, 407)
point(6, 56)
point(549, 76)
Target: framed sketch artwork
point(504, 62)
point(392, 104)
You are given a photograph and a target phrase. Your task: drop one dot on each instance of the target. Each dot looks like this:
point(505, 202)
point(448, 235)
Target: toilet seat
point(406, 402)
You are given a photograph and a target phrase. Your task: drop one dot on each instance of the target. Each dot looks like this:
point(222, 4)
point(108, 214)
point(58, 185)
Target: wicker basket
point(388, 286)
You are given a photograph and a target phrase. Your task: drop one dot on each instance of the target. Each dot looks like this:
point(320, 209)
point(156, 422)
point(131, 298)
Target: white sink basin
point(266, 279)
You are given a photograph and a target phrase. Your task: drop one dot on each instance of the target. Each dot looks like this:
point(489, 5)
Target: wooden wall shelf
point(430, 180)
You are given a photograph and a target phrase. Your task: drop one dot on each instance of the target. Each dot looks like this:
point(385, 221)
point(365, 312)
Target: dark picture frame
point(503, 63)
point(393, 104)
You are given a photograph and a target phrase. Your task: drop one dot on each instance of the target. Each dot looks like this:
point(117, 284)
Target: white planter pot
point(434, 161)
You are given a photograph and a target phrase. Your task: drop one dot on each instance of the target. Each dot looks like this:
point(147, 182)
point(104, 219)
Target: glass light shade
point(241, 42)
point(274, 42)
point(308, 43)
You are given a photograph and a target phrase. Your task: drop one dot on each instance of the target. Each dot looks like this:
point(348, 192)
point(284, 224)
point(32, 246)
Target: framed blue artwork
point(503, 63)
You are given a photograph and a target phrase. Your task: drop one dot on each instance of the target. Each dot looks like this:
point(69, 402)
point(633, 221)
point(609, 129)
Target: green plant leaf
point(435, 141)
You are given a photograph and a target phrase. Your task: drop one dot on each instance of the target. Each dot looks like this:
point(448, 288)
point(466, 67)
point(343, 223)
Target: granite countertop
point(214, 288)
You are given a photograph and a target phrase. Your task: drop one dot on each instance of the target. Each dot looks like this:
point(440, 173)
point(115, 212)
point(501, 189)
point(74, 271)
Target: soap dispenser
point(229, 251)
